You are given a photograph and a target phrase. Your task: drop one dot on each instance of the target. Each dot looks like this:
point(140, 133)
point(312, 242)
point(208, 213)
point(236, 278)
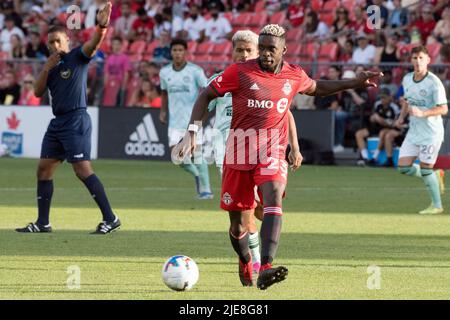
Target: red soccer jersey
point(261, 100)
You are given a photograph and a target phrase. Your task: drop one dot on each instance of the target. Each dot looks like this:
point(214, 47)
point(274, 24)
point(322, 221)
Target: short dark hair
point(178, 42)
point(419, 49)
point(117, 38)
point(54, 29)
point(141, 12)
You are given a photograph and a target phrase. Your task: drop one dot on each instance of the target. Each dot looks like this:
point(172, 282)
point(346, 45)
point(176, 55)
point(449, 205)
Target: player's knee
point(44, 172)
point(82, 173)
point(237, 228)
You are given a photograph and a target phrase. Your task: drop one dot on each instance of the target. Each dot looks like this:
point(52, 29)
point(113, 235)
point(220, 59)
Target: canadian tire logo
point(12, 139)
point(145, 140)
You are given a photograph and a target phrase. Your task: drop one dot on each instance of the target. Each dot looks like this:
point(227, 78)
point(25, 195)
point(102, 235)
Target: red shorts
point(238, 186)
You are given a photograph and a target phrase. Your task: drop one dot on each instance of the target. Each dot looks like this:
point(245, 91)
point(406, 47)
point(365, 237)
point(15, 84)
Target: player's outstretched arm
point(103, 16)
point(327, 87)
point(187, 145)
point(440, 110)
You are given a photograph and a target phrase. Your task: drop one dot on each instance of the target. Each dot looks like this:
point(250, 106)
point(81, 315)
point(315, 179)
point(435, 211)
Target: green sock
point(253, 244)
point(413, 171)
point(189, 167)
point(432, 183)
point(203, 177)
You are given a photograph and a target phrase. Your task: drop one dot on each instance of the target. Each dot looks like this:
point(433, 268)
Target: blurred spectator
point(142, 28)
point(53, 6)
point(365, 52)
point(27, 97)
point(296, 13)
point(399, 16)
point(390, 53)
point(146, 97)
point(194, 26)
point(332, 101)
point(425, 25)
point(17, 47)
point(153, 7)
point(10, 10)
point(35, 47)
point(152, 71)
point(218, 28)
point(352, 104)
point(162, 52)
point(10, 90)
point(32, 20)
point(359, 24)
point(341, 24)
point(238, 5)
point(123, 25)
point(175, 22)
point(386, 82)
point(346, 53)
point(7, 32)
point(272, 6)
point(160, 25)
point(379, 123)
point(315, 29)
point(207, 4)
point(441, 32)
point(117, 66)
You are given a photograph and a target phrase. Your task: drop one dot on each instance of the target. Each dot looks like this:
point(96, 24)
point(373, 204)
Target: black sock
point(44, 198)
point(97, 191)
point(240, 245)
point(270, 233)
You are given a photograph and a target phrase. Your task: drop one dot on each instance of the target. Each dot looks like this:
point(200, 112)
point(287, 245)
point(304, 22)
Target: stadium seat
point(329, 51)
point(242, 20)
point(221, 48)
point(294, 50)
point(278, 18)
point(330, 5)
point(204, 47)
point(132, 86)
point(327, 17)
point(192, 46)
point(258, 20)
point(202, 57)
point(316, 5)
point(137, 47)
point(433, 50)
point(110, 92)
point(151, 47)
point(259, 6)
point(228, 15)
point(4, 55)
point(294, 35)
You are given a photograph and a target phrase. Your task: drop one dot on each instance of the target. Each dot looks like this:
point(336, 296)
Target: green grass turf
point(337, 222)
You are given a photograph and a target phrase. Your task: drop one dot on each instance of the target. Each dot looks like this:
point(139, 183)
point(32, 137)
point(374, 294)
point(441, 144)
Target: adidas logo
point(145, 140)
point(254, 87)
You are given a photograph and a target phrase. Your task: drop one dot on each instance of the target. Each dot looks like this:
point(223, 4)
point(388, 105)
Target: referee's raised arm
point(103, 16)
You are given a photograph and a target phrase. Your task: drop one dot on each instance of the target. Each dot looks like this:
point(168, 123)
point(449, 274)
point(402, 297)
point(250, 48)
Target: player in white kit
point(425, 102)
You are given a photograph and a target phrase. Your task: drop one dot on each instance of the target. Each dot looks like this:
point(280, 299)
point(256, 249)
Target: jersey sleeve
point(227, 82)
point(439, 96)
point(304, 81)
point(81, 56)
point(162, 79)
point(200, 78)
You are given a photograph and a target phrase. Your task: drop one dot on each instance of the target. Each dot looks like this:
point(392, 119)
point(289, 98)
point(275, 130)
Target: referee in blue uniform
point(68, 136)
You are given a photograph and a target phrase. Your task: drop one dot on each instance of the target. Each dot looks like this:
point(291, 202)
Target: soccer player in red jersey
point(262, 91)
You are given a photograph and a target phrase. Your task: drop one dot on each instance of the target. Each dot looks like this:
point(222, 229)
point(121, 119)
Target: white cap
point(349, 74)
point(37, 9)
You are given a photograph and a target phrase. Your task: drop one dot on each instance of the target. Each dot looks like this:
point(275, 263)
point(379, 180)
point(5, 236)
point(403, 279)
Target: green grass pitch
point(338, 221)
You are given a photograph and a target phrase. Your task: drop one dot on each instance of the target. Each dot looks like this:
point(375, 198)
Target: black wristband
point(103, 27)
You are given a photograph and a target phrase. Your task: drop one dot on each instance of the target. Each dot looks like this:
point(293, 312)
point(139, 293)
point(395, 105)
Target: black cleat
point(35, 228)
point(271, 276)
point(107, 227)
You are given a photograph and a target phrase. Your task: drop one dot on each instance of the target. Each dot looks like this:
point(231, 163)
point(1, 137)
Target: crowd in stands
point(331, 39)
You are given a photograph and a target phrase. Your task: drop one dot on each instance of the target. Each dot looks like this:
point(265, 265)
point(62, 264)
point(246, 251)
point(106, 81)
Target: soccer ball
point(180, 273)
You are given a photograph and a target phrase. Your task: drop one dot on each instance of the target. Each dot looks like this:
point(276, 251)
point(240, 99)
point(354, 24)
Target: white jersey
point(222, 122)
point(182, 88)
point(425, 94)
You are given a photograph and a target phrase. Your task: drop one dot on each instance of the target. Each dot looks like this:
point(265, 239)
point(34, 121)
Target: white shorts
point(426, 153)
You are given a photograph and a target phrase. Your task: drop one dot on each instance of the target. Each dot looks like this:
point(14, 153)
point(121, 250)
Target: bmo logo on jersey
point(282, 104)
point(264, 104)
